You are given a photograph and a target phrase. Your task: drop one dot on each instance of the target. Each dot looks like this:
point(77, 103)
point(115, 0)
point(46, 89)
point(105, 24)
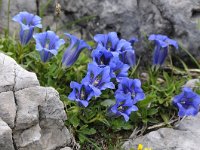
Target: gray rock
point(7, 108)
point(66, 148)
point(35, 114)
point(129, 18)
point(29, 139)
point(7, 73)
point(24, 79)
point(192, 83)
point(28, 101)
point(185, 136)
point(6, 142)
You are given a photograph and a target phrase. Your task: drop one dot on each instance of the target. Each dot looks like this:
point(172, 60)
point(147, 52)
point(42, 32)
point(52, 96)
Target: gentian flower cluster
point(161, 49)
point(112, 59)
point(187, 102)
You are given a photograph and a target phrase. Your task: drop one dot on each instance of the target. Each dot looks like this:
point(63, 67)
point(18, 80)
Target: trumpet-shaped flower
point(124, 106)
point(162, 44)
point(128, 57)
point(109, 41)
point(98, 78)
point(132, 86)
point(101, 56)
point(118, 68)
point(187, 102)
point(47, 44)
point(81, 93)
point(27, 23)
point(72, 52)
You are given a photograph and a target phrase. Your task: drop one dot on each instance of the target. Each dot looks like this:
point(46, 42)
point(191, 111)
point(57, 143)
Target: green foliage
point(92, 126)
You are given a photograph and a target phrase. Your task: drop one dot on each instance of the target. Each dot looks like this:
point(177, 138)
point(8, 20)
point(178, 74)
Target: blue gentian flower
point(72, 52)
point(123, 45)
point(81, 93)
point(128, 57)
point(109, 41)
point(133, 40)
point(187, 102)
point(126, 52)
point(47, 43)
point(98, 78)
point(27, 23)
point(162, 44)
point(118, 68)
point(101, 56)
point(124, 106)
point(132, 86)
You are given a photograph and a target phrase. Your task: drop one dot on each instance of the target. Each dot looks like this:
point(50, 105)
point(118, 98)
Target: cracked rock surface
point(175, 18)
point(31, 117)
point(185, 136)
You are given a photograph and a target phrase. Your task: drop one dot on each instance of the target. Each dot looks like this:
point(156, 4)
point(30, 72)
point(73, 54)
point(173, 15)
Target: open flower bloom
point(47, 44)
point(187, 102)
point(27, 23)
point(101, 56)
point(132, 86)
point(72, 52)
point(124, 106)
point(162, 44)
point(118, 68)
point(109, 41)
point(98, 78)
point(81, 93)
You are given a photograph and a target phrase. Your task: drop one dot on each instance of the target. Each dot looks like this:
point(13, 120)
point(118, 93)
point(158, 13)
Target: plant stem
point(8, 17)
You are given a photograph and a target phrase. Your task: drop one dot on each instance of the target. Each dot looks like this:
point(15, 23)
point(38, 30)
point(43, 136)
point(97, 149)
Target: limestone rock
point(185, 136)
point(192, 83)
point(6, 142)
point(31, 117)
point(8, 108)
point(175, 18)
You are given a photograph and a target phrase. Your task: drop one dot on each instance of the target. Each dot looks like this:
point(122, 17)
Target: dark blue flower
point(27, 23)
point(101, 56)
point(187, 102)
point(98, 78)
point(118, 68)
point(47, 43)
point(124, 106)
point(109, 41)
point(132, 86)
point(133, 40)
point(162, 44)
point(81, 93)
point(72, 52)
point(128, 57)
point(126, 52)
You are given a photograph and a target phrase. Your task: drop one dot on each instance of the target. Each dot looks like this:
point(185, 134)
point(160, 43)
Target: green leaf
point(152, 111)
point(108, 102)
point(165, 117)
point(87, 131)
point(144, 103)
point(74, 120)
